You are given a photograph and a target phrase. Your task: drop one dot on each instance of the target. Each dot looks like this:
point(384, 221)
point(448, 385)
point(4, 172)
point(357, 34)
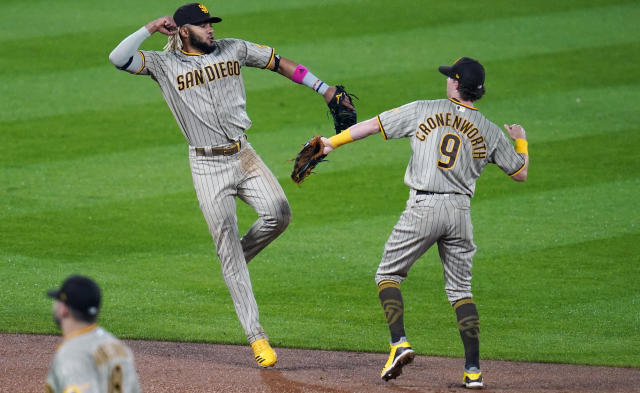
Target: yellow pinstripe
point(143, 62)
point(459, 103)
point(273, 53)
point(381, 128)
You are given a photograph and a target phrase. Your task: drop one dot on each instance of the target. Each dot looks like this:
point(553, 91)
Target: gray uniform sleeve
point(504, 154)
point(399, 122)
point(254, 55)
point(151, 62)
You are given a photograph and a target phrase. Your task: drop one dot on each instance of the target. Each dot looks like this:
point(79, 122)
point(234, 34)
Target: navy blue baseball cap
point(467, 71)
point(194, 14)
point(80, 293)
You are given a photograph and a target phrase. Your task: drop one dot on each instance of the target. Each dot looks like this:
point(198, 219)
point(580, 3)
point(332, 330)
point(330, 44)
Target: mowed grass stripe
point(99, 179)
point(561, 165)
point(73, 17)
point(493, 297)
point(540, 220)
point(557, 115)
point(379, 17)
point(555, 320)
point(93, 133)
point(523, 36)
point(503, 223)
point(131, 175)
point(88, 88)
point(167, 222)
point(548, 73)
point(146, 225)
point(568, 114)
point(197, 286)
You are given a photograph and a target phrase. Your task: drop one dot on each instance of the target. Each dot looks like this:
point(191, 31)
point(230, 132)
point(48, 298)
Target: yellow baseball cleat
point(264, 354)
point(472, 379)
point(401, 355)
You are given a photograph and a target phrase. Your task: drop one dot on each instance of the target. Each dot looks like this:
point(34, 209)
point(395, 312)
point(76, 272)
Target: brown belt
point(227, 150)
point(422, 192)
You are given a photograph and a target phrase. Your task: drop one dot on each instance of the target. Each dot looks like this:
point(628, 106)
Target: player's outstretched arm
point(300, 74)
point(353, 133)
point(518, 134)
point(316, 149)
point(337, 98)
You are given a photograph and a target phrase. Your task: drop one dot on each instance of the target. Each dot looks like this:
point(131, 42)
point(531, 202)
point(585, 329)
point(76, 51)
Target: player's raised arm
point(518, 134)
point(126, 56)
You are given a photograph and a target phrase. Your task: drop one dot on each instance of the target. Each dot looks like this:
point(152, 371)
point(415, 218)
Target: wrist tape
point(342, 138)
point(522, 146)
point(299, 73)
point(305, 77)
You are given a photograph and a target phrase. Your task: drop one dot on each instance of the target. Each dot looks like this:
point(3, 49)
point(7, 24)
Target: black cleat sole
point(396, 369)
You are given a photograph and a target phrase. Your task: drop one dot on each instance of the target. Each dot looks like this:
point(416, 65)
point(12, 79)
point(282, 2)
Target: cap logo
point(203, 8)
point(457, 76)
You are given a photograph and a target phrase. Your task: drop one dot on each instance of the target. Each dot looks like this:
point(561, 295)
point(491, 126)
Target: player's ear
point(60, 309)
point(183, 31)
point(63, 310)
point(456, 83)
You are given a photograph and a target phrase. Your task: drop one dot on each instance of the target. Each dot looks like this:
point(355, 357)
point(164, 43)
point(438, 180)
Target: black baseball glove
point(343, 116)
point(307, 159)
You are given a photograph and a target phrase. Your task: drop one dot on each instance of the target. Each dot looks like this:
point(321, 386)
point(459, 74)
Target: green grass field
point(94, 177)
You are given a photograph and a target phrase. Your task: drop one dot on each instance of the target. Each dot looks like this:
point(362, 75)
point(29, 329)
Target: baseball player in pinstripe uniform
point(201, 82)
point(90, 359)
point(452, 142)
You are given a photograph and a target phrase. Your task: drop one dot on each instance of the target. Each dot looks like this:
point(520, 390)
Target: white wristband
point(314, 83)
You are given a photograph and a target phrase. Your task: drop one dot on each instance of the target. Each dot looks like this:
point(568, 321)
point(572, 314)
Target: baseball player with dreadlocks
point(201, 82)
point(452, 142)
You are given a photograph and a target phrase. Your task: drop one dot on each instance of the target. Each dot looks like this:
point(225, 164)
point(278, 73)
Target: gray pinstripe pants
point(427, 219)
point(218, 181)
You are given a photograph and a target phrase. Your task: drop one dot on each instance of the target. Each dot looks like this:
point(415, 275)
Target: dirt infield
point(193, 367)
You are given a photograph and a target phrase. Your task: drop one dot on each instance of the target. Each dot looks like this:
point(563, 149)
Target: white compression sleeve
point(126, 56)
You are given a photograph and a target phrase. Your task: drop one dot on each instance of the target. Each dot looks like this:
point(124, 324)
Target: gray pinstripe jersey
point(206, 92)
point(93, 361)
point(451, 144)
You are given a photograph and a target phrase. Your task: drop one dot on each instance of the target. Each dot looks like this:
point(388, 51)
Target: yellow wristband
point(342, 138)
point(522, 146)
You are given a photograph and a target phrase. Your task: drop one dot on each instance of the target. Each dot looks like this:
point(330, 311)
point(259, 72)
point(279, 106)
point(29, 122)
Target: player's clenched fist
point(515, 131)
point(165, 25)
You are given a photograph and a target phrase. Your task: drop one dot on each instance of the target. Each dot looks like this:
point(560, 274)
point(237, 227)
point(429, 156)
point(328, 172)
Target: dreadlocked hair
point(174, 43)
